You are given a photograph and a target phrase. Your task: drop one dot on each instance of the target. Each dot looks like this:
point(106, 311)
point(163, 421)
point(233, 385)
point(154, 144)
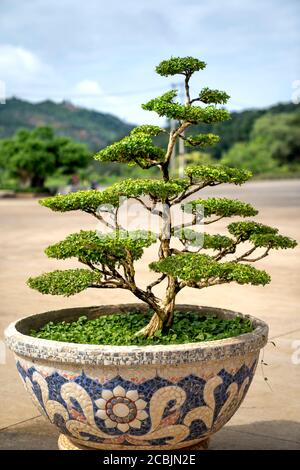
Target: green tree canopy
point(281, 134)
point(31, 156)
point(274, 141)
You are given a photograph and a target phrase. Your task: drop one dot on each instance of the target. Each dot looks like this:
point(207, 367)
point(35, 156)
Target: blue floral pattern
point(156, 412)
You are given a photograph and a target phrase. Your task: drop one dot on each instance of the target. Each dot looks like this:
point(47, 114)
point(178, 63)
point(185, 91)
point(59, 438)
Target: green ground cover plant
point(120, 329)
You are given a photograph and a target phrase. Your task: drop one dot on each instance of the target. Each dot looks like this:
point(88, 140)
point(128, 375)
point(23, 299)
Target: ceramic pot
point(133, 397)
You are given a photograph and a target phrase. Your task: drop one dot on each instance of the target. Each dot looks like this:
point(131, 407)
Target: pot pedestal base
point(64, 443)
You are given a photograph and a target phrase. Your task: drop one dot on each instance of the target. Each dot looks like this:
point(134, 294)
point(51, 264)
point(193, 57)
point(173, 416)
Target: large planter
point(129, 397)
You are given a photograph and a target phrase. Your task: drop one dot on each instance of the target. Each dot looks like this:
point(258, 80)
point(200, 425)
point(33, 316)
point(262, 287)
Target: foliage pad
point(107, 249)
point(217, 174)
point(164, 106)
point(180, 65)
point(221, 207)
point(200, 268)
point(68, 282)
point(137, 148)
point(87, 201)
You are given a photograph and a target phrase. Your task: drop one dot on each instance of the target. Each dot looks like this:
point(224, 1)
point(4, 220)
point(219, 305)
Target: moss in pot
point(167, 385)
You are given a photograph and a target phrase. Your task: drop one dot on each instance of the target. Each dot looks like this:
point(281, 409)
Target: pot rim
point(57, 351)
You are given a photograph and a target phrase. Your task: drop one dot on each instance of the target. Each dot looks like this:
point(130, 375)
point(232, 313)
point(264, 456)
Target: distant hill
point(100, 129)
point(238, 128)
point(92, 127)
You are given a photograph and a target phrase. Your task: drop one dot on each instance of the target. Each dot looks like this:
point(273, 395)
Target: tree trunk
point(162, 319)
point(24, 179)
point(168, 303)
point(38, 181)
point(154, 325)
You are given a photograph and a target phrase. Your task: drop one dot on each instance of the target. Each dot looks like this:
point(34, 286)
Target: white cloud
point(90, 94)
point(88, 87)
point(18, 62)
point(251, 48)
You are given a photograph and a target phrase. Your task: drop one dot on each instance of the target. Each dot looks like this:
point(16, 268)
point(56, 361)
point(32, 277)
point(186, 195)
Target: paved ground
point(270, 415)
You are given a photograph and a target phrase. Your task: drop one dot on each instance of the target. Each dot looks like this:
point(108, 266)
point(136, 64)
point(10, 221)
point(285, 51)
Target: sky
point(102, 54)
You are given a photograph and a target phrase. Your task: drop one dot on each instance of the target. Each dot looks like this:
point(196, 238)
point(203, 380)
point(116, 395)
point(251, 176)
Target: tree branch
point(227, 251)
point(194, 100)
point(252, 260)
point(102, 220)
point(155, 283)
point(204, 284)
point(150, 209)
point(108, 285)
point(172, 140)
point(187, 89)
point(207, 222)
point(188, 192)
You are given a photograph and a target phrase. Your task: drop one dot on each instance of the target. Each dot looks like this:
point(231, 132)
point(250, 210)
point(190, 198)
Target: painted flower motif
point(120, 409)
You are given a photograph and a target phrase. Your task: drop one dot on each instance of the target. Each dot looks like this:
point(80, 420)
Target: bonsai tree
point(204, 260)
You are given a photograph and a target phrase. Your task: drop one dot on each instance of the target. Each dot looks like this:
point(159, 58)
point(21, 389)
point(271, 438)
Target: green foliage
point(272, 240)
point(71, 155)
point(31, 156)
point(281, 134)
point(221, 207)
point(217, 174)
point(147, 129)
point(101, 248)
point(254, 155)
point(157, 189)
point(98, 130)
point(209, 96)
point(260, 235)
point(68, 282)
point(164, 106)
point(119, 330)
point(180, 65)
point(91, 200)
point(113, 254)
point(136, 148)
point(188, 236)
point(27, 158)
point(93, 128)
point(243, 230)
point(202, 140)
point(87, 201)
point(191, 237)
point(201, 268)
point(217, 242)
point(239, 127)
point(198, 158)
point(273, 142)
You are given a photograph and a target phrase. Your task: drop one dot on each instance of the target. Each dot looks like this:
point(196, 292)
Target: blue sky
point(101, 54)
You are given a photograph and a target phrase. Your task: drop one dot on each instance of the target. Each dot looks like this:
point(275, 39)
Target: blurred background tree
point(31, 156)
point(273, 145)
point(265, 141)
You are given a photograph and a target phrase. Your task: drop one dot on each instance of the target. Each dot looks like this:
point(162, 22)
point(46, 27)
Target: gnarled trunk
point(162, 319)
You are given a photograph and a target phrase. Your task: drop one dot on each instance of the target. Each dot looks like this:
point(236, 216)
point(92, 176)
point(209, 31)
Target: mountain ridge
point(94, 128)
point(98, 129)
